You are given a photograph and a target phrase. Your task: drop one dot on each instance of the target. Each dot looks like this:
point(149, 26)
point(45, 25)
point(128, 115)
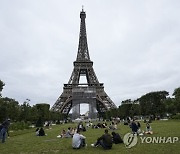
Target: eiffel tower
point(92, 92)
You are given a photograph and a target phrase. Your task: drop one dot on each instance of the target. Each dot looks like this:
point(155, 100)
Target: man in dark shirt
point(116, 138)
point(105, 141)
point(134, 127)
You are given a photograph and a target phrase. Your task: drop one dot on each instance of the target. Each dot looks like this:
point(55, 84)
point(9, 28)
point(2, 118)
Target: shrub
point(40, 122)
point(177, 116)
point(19, 125)
point(58, 122)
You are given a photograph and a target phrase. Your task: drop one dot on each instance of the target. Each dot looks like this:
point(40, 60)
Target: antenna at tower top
point(82, 8)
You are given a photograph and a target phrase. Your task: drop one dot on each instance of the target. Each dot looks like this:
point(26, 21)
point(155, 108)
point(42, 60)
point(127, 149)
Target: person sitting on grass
point(37, 131)
point(104, 125)
point(115, 126)
point(68, 133)
point(63, 133)
point(41, 132)
point(139, 131)
point(105, 141)
point(134, 127)
point(116, 138)
point(148, 129)
point(81, 127)
point(78, 140)
point(111, 126)
point(72, 131)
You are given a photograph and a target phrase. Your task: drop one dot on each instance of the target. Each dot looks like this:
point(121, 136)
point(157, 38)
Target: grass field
point(25, 142)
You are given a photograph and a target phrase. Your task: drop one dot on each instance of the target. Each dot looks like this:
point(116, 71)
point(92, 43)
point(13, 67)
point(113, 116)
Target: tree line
point(156, 104)
point(36, 114)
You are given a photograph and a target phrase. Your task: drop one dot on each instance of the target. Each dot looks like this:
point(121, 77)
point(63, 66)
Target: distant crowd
point(105, 141)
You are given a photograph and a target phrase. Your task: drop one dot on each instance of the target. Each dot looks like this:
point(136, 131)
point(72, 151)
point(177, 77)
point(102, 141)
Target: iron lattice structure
point(92, 92)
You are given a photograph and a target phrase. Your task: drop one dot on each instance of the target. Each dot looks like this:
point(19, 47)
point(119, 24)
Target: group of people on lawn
point(78, 140)
point(106, 140)
point(136, 128)
point(67, 134)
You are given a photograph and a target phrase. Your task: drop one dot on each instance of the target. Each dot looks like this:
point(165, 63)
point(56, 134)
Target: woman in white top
point(78, 140)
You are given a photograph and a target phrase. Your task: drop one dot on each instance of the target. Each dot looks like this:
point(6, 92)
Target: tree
point(25, 110)
point(124, 110)
point(1, 86)
point(114, 113)
point(170, 106)
point(153, 103)
point(43, 113)
point(3, 110)
point(54, 116)
point(135, 110)
point(9, 108)
point(108, 115)
point(34, 114)
point(176, 94)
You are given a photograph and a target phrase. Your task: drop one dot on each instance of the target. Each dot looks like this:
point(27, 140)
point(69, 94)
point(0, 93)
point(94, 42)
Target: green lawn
point(25, 142)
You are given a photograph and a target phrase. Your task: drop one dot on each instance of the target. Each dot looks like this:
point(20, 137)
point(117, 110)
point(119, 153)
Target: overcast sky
point(134, 44)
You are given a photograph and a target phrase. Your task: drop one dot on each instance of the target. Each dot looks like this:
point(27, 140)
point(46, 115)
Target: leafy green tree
point(3, 110)
point(135, 110)
point(108, 115)
point(1, 86)
point(124, 110)
point(176, 94)
point(33, 114)
point(114, 113)
point(40, 122)
point(170, 106)
point(9, 108)
point(153, 103)
point(43, 112)
point(25, 112)
point(54, 116)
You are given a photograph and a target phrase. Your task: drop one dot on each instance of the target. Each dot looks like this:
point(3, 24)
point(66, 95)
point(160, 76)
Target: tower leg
point(75, 110)
point(92, 110)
